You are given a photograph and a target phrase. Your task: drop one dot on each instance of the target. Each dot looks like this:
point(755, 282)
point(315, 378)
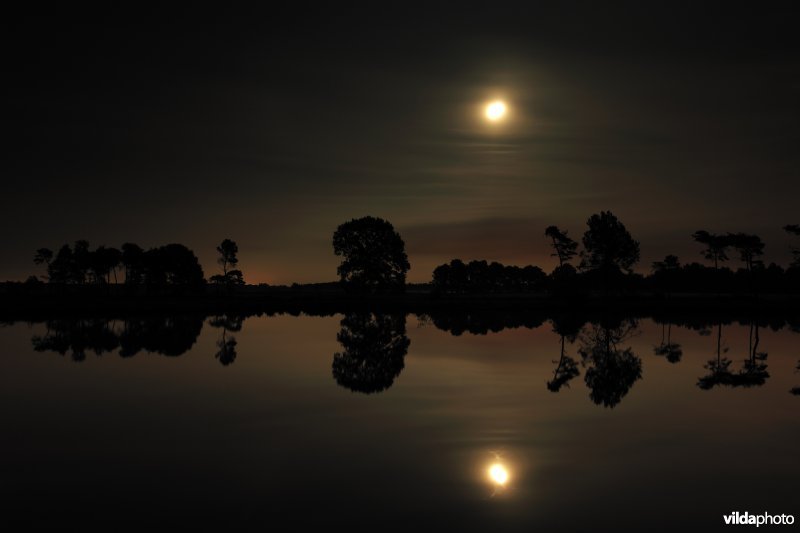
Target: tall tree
point(565, 248)
point(43, 256)
point(228, 261)
point(374, 255)
point(716, 246)
point(81, 261)
point(61, 268)
point(227, 252)
point(132, 259)
point(750, 247)
point(103, 262)
point(608, 244)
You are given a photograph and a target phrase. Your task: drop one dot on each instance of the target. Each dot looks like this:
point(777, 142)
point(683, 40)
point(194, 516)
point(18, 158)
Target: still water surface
point(391, 423)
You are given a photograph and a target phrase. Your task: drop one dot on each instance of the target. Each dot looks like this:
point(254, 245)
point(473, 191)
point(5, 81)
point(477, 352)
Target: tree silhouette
point(132, 260)
point(60, 269)
point(43, 256)
point(564, 246)
point(228, 261)
point(665, 272)
point(611, 371)
point(451, 277)
point(374, 348)
point(374, 255)
point(172, 264)
point(81, 261)
point(670, 263)
point(608, 245)
point(103, 261)
point(794, 229)
point(716, 246)
point(480, 276)
point(750, 247)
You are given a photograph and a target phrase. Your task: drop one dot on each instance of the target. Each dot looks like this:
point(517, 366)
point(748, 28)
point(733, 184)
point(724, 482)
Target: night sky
point(272, 128)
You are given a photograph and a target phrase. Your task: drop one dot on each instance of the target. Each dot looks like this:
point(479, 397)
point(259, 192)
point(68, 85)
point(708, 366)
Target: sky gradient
point(273, 128)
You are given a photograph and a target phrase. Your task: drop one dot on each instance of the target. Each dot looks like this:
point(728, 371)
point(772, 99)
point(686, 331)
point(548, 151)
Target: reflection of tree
point(566, 367)
point(753, 373)
point(671, 350)
point(374, 347)
point(796, 390)
point(718, 372)
point(611, 371)
point(170, 336)
point(226, 346)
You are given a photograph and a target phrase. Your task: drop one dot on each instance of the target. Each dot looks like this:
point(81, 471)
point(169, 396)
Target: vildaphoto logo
point(766, 519)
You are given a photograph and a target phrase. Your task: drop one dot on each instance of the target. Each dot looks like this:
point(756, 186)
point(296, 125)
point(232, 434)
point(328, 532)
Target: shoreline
point(327, 301)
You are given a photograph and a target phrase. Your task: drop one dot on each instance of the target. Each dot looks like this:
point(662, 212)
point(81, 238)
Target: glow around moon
point(496, 110)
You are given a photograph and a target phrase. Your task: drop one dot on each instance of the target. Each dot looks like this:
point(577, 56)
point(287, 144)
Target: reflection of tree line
point(166, 335)
point(170, 336)
point(374, 346)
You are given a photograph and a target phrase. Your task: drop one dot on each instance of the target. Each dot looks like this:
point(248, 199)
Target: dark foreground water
point(397, 423)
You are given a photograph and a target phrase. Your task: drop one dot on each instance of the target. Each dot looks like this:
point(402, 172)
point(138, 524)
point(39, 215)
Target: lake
point(399, 422)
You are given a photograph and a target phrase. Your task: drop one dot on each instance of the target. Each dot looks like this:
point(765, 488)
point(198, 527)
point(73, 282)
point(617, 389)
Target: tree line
point(608, 256)
point(374, 261)
point(160, 266)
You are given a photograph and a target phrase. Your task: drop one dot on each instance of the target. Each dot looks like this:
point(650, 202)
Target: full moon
point(498, 474)
point(495, 110)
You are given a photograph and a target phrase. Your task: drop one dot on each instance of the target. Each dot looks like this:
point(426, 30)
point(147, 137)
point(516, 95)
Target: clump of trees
point(716, 246)
point(608, 250)
point(374, 257)
point(172, 265)
point(168, 265)
point(607, 259)
point(480, 276)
